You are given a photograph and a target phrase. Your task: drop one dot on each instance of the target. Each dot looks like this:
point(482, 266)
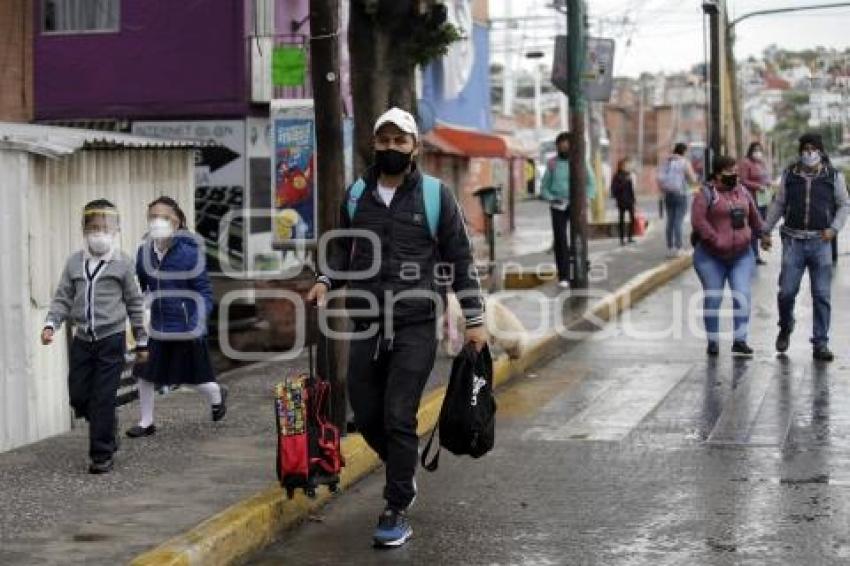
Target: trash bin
point(491, 199)
point(491, 203)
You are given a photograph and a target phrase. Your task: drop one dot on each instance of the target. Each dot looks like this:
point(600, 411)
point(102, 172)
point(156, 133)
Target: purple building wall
point(170, 59)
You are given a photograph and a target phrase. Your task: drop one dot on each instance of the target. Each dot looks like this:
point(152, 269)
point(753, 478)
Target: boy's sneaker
point(713, 349)
point(219, 410)
point(393, 529)
point(102, 467)
point(822, 354)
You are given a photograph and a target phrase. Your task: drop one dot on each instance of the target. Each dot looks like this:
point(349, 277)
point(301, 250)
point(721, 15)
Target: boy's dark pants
point(93, 379)
point(385, 393)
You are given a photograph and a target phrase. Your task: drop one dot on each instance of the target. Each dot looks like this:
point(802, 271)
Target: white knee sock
point(211, 390)
point(146, 400)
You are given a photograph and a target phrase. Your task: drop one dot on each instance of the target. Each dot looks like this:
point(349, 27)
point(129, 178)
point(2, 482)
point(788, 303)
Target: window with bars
point(80, 16)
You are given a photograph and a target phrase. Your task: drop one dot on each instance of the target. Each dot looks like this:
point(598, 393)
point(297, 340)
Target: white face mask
point(160, 229)
point(100, 243)
point(810, 158)
point(758, 155)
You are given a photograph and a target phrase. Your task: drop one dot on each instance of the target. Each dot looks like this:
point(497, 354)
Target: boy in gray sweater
point(96, 293)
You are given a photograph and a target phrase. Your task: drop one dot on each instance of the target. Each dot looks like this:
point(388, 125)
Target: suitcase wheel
point(334, 487)
point(311, 492)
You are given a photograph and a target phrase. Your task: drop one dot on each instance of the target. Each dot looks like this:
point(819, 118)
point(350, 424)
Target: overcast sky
point(667, 35)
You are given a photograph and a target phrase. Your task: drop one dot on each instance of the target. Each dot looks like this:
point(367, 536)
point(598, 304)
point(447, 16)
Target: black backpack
point(467, 420)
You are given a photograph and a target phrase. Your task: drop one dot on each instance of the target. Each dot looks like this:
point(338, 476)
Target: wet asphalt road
point(633, 448)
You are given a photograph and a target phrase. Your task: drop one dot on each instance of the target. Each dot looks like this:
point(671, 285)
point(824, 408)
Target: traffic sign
point(598, 75)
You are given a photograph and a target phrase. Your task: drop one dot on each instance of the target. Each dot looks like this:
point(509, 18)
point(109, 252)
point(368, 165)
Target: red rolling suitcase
point(308, 444)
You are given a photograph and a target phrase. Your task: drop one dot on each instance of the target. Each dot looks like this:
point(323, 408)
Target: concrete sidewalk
point(52, 512)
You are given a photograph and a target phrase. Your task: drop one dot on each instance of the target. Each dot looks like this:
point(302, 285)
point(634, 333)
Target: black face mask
point(392, 161)
point(564, 154)
point(729, 181)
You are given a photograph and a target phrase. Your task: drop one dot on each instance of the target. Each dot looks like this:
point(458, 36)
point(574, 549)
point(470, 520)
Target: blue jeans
point(797, 256)
point(677, 207)
point(714, 273)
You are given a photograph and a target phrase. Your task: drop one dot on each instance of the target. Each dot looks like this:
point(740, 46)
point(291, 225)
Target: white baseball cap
point(404, 120)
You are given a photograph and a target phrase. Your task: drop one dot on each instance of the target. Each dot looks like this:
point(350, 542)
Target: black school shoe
point(139, 431)
point(783, 340)
point(740, 348)
point(713, 349)
point(219, 410)
point(103, 467)
point(822, 354)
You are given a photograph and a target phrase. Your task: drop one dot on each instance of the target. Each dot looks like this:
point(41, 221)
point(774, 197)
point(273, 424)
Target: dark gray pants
point(385, 383)
point(93, 379)
point(561, 236)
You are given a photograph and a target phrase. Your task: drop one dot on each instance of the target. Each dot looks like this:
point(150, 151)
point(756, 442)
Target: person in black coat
point(623, 190)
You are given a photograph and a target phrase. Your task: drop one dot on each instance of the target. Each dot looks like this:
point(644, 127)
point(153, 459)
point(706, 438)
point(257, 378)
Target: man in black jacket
point(396, 273)
point(812, 199)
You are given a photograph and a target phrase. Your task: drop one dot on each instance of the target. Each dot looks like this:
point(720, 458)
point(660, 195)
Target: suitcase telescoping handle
point(314, 336)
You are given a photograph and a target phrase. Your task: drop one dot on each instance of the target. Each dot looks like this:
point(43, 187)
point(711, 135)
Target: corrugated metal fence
point(40, 204)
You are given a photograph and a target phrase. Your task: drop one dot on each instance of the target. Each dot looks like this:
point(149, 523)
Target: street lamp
point(711, 7)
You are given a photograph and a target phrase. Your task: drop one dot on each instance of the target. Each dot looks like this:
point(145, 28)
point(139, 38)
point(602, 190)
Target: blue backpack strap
point(431, 196)
point(354, 195)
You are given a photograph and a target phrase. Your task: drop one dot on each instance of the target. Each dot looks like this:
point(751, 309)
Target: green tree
point(387, 39)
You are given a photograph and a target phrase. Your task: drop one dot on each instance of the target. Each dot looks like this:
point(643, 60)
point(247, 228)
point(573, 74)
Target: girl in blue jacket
point(170, 266)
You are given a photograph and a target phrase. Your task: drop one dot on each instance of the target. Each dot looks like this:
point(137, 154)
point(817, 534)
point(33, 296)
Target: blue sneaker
point(393, 529)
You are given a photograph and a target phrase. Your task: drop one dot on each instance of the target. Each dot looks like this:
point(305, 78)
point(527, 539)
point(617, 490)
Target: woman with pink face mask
point(171, 269)
point(754, 176)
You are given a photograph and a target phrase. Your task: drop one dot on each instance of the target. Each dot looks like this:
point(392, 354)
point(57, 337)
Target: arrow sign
point(215, 157)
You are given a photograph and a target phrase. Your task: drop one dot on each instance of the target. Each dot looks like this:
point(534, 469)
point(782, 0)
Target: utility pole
point(712, 9)
point(538, 109)
point(508, 71)
point(324, 70)
point(640, 140)
point(578, 151)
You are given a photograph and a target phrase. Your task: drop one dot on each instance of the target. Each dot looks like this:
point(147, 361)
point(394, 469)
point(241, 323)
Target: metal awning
point(56, 141)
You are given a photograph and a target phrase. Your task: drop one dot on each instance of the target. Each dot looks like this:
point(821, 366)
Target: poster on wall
point(293, 173)
point(219, 184)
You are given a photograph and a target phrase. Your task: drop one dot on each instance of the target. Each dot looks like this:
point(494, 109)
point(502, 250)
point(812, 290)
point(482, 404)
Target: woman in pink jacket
point(724, 218)
point(754, 176)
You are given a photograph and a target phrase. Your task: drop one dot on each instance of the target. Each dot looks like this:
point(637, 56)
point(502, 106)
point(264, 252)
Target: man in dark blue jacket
point(412, 255)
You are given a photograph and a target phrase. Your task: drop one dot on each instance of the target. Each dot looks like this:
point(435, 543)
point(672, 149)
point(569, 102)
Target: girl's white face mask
point(160, 229)
point(100, 243)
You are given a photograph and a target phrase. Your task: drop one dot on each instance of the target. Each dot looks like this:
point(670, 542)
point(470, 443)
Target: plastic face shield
point(100, 220)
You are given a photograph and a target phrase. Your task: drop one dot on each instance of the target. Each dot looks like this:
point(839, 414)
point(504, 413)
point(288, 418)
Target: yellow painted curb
point(256, 522)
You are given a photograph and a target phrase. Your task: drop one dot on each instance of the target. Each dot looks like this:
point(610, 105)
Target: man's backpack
point(430, 195)
point(467, 421)
point(671, 176)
